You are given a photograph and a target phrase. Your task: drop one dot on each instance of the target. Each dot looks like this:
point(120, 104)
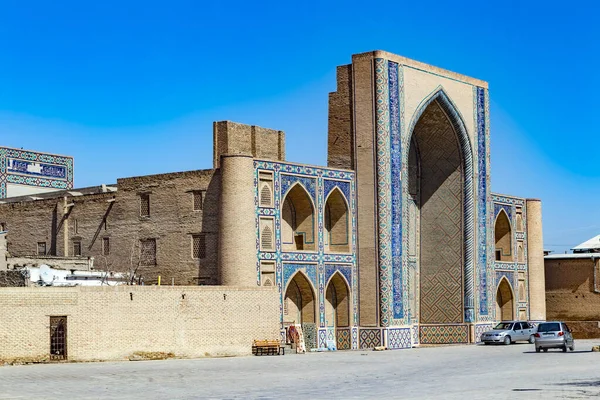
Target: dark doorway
point(58, 338)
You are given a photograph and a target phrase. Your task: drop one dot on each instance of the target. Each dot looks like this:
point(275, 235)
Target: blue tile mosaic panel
point(396, 191)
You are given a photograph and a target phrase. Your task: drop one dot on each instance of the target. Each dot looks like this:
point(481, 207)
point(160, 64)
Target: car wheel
point(564, 348)
point(486, 343)
point(545, 350)
point(531, 339)
point(507, 340)
point(537, 349)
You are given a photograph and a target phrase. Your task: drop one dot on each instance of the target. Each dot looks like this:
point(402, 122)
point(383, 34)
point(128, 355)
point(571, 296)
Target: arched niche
point(299, 301)
point(503, 238)
point(505, 309)
point(337, 223)
point(297, 220)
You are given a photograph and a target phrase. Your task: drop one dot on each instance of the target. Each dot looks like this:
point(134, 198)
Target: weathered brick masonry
point(92, 217)
point(111, 323)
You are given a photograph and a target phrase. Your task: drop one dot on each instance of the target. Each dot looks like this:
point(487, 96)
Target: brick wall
point(115, 216)
point(570, 289)
point(111, 323)
point(231, 138)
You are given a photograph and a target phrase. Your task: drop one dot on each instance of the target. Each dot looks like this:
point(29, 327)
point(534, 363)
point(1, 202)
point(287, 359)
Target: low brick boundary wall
point(113, 323)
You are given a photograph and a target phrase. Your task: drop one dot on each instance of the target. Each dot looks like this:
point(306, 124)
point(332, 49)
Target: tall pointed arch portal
point(440, 188)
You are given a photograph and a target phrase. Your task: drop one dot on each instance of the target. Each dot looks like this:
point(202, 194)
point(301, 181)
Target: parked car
point(554, 335)
point(508, 332)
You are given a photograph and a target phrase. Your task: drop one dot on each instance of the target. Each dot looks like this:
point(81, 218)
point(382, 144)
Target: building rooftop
point(589, 245)
point(571, 256)
point(61, 193)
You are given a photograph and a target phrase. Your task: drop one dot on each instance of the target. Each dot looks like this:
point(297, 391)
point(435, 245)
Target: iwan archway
point(440, 188)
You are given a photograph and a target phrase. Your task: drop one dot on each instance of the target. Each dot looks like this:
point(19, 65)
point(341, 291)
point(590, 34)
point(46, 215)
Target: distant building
point(24, 172)
point(589, 246)
point(573, 290)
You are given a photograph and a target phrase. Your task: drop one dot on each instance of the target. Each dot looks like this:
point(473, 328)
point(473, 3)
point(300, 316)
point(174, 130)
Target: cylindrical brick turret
point(535, 261)
point(237, 230)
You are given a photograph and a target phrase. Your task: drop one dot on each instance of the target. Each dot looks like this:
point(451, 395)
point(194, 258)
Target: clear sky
point(131, 87)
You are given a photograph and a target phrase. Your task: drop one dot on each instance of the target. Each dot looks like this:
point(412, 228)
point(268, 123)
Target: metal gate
point(58, 338)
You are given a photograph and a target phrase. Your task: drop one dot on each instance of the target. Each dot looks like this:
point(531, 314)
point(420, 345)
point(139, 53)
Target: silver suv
point(554, 335)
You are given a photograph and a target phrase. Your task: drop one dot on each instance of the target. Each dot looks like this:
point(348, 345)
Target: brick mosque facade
point(398, 241)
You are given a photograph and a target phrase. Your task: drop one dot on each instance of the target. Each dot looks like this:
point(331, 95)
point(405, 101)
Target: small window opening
point(199, 246)
point(145, 205)
point(148, 252)
point(77, 248)
point(198, 199)
point(105, 246)
point(41, 248)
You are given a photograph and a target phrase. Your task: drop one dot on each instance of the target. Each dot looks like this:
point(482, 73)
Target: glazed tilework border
point(444, 334)
point(395, 81)
point(383, 176)
point(482, 198)
point(479, 329)
point(319, 263)
point(389, 109)
point(487, 274)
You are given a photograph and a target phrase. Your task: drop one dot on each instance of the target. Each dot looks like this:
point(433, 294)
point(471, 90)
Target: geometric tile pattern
point(383, 175)
point(479, 329)
point(329, 185)
point(415, 334)
point(287, 181)
point(310, 335)
point(396, 190)
point(442, 244)
point(399, 338)
point(310, 270)
point(444, 334)
point(343, 339)
point(482, 199)
point(322, 338)
point(369, 338)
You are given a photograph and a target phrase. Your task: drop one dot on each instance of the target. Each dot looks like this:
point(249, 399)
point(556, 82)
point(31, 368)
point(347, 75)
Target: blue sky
point(132, 87)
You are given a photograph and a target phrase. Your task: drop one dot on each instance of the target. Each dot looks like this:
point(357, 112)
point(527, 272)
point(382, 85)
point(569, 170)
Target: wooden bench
point(267, 347)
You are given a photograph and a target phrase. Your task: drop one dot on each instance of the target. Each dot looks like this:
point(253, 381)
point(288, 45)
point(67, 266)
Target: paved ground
point(453, 372)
